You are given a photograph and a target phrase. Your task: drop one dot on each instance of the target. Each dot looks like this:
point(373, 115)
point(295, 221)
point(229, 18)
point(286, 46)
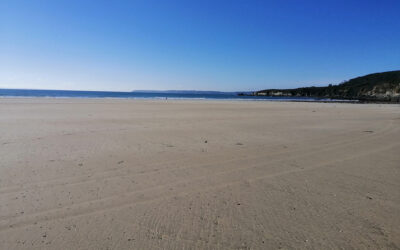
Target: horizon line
point(116, 91)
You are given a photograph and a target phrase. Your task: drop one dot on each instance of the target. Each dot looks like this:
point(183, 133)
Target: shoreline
point(198, 99)
point(185, 99)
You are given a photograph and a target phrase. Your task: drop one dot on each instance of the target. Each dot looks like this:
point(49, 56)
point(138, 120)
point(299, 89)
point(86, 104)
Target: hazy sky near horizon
point(203, 45)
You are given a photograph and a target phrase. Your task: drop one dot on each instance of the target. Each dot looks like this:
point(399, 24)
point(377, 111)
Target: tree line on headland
point(377, 87)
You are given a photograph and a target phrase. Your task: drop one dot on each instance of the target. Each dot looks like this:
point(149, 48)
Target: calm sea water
point(142, 95)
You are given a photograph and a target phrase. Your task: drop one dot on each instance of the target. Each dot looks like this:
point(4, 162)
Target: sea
point(206, 95)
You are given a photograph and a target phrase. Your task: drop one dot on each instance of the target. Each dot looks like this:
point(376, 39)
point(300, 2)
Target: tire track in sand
point(148, 195)
point(49, 183)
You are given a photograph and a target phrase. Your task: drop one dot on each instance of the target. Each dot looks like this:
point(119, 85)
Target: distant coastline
point(377, 87)
point(179, 95)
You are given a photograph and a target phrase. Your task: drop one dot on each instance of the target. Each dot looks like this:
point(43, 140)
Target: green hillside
point(383, 86)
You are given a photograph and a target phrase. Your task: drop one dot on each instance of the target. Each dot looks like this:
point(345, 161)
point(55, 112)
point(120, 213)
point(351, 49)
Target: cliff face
point(374, 87)
point(384, 90)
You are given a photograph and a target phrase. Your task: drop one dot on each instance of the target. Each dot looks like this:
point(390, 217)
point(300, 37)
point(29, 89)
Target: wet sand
point(135, 174)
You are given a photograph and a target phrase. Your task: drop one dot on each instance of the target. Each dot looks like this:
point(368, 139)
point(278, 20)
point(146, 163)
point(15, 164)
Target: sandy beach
point(180, 174)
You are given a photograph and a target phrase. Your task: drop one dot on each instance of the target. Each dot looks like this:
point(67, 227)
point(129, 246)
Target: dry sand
point(134, 174)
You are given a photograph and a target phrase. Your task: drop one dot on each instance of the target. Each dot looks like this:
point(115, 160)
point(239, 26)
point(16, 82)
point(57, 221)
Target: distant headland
point(377, 87)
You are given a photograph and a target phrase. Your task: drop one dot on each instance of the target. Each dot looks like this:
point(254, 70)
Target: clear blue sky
point(204, 45)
